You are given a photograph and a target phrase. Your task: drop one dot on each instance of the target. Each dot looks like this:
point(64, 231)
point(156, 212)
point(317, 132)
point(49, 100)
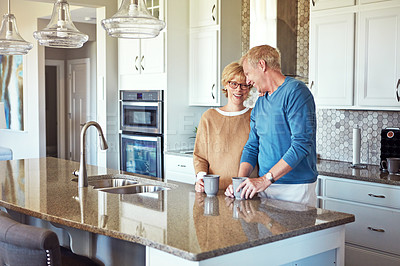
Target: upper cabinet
point(327, 4)
point(379, 58)
point(203, 13)
point(215, 41)
point(331, 59)
point(141, 62)
point(355, 56)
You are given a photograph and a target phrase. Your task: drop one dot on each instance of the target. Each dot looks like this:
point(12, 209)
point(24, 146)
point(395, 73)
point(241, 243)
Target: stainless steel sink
point(111, 182)
point(124, 184)
point(133, 189)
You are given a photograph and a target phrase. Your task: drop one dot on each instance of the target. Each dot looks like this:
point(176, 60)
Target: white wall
point(181, 119)
point(31, 142)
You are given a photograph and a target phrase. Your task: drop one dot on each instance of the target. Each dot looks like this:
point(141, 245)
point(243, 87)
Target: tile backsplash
point(335, 133)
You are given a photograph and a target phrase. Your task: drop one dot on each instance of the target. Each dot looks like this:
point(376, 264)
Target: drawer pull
point(181, 165)
point(376, 230)
point(376, 196)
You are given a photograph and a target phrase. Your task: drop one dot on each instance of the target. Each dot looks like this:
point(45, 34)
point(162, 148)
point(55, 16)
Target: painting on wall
point(11, 90)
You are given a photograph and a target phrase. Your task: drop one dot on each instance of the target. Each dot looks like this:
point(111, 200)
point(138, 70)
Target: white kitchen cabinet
point(331, 59)
point(179, 168)
point(203, 13)
point(141, 62)
point(374, 77)
point(203, 74)
point(214, 43)
point(375, 231)
point(327, 4)
point(379, 58)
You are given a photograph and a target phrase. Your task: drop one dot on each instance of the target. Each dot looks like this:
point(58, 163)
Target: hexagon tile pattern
point(335, 133)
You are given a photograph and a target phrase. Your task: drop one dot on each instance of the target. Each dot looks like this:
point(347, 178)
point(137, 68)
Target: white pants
point(301, 193)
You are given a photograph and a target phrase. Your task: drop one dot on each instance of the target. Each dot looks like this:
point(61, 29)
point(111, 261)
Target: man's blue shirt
point(283, 126)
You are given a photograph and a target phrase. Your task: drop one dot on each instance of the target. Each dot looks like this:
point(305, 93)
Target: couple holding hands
point(278, 135)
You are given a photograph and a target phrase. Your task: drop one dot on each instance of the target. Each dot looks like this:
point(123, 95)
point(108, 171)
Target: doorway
point(55, 108)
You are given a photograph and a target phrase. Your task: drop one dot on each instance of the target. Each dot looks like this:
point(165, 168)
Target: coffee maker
point(390, 144)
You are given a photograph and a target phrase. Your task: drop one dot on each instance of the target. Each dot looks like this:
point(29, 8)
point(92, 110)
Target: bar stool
point(26, 245)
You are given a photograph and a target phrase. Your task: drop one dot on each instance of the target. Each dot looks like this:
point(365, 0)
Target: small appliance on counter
point(390, 144)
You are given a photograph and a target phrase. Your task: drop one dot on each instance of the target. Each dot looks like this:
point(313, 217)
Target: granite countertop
point(371, 173)
point(178, 221)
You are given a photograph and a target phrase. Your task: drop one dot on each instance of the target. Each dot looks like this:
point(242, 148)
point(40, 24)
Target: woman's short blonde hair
point(230, 72)
point(270, 55)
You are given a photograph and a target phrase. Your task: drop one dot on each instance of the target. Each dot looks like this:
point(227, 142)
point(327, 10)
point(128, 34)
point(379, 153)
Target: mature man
point(282, 136)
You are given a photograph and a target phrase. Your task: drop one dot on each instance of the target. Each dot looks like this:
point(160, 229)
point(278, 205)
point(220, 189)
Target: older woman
point(222, 132)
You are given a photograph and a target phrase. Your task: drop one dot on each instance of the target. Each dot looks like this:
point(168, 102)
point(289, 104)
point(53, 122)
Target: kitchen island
point(175, 226)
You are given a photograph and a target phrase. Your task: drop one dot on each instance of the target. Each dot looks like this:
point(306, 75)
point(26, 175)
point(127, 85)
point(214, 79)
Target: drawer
point(374, 227)
point(363, 192)
point(180, 164)
point(355, 256)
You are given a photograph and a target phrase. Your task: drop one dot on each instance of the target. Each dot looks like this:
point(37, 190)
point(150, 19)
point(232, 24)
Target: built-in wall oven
point(141, 132)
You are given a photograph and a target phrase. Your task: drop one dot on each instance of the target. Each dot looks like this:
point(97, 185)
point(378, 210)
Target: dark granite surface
point(178, 220)
point(370, 173)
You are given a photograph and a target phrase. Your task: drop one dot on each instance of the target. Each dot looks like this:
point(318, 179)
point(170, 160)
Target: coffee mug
point(236, 181)
point(391, 164)
point(211, 184)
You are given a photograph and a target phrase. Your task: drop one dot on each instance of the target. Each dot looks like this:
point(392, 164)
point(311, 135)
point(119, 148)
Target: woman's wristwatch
point(270, 177)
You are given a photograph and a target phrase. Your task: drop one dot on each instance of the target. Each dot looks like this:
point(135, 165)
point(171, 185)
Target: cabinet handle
point(397, 90)
point(376, 230)
point(212, 91)
point(313, 2)
point(376, 196)
point(141, 62)
point(136, 58)
point(181, 165)
point(212, 12)
point(312, 85)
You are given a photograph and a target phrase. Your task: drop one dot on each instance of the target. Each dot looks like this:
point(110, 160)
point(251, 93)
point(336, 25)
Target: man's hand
point(251, 186)
point(229, 191)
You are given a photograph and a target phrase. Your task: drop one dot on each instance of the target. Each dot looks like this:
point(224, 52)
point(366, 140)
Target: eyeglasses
point(234, 85)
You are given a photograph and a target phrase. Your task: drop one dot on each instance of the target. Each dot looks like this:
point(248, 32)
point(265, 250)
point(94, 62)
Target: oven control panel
point(142, 96)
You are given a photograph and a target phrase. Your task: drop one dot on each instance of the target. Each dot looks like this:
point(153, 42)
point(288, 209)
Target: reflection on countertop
point(167, 220)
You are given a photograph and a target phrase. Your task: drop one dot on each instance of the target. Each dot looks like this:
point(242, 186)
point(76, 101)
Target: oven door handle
point(141, 103)
point(137, 137)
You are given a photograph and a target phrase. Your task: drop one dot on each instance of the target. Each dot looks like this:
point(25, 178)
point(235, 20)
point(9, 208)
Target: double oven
point(141, 132)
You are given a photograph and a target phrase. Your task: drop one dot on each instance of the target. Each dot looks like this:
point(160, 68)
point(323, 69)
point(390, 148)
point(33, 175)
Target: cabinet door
point(326, 4)
point(128, 56)
point(153, 55)
point(379, 58)
point(331, 59)
point(203, 13)
point(203, 75)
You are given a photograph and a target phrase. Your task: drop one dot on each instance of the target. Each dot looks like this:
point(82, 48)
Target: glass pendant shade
point(134, 21)
point(61, 32)
point(11, 43)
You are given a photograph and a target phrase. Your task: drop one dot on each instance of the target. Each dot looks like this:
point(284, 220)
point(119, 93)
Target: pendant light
point(61, 32)
point(11, 43)
point(134, 21)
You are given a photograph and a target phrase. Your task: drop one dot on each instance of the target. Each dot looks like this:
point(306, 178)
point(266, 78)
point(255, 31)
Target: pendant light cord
point(9, 8)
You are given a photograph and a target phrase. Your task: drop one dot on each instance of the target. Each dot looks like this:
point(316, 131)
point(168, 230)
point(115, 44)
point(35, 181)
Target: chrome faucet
point(82, 175)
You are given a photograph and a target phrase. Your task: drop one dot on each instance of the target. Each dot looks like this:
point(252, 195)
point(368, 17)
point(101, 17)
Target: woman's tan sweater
point(220, 139)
